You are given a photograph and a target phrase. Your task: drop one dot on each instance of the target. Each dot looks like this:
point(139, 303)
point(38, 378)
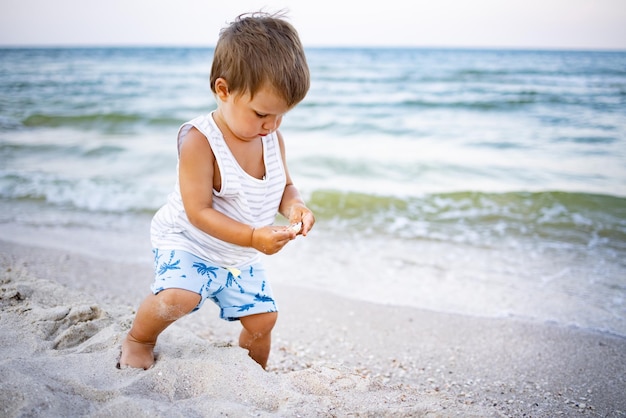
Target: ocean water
point(491, 182)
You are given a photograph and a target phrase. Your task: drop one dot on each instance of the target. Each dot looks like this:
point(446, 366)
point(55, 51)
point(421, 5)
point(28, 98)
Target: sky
point(537, 24)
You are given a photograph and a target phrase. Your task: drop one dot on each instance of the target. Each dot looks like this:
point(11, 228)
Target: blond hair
point(258, 50)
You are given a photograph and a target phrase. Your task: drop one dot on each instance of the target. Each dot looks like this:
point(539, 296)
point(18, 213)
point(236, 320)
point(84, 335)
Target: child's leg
point(256, 335)
point(155, 314)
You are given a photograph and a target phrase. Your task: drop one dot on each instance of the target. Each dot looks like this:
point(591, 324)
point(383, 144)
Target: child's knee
point(260, 325)
point(175, 303)
point(269, 320)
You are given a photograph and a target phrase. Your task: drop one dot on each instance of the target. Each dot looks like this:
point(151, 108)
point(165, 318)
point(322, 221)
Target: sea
point(476, 182)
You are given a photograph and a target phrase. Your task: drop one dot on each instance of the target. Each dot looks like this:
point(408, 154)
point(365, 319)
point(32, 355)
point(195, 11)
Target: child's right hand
point(271, 239)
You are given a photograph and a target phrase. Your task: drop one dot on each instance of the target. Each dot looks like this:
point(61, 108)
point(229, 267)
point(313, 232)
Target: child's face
point(249, 118)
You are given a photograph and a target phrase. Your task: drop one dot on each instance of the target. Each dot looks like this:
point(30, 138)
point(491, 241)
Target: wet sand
point(64, 313)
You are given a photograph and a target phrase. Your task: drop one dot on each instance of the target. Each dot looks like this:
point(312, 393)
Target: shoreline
point(545, 287)
point(330, 355)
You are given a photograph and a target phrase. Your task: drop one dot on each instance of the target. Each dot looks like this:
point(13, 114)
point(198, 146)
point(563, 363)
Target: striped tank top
point(242, 197)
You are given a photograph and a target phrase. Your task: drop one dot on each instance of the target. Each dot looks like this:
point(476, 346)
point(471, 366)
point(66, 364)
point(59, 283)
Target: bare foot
point(136, 354)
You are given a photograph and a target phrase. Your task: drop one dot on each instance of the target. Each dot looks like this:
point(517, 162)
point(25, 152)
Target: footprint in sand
point(66, 326)
point(78, 325)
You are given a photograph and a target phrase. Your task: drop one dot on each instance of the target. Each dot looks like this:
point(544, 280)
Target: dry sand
point(63, 315)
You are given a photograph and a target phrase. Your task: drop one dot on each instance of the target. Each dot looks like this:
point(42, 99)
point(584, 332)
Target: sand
point(64, 313)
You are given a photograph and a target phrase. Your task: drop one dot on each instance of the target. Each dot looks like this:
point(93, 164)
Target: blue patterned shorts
point(237, 292)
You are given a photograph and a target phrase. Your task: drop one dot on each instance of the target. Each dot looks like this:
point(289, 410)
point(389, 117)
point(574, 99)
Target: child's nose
point(271, 124)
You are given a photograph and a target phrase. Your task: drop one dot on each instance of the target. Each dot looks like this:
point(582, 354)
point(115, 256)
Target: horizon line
point(323, 46)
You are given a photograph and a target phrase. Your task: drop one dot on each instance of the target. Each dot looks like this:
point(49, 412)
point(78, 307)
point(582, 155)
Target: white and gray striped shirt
point(242, 197)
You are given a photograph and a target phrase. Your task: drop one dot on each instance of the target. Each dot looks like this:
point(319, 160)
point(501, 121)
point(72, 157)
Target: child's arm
point(292, 205)
point(197, 179)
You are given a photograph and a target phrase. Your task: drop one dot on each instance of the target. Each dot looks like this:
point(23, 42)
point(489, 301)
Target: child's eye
point(260, 115)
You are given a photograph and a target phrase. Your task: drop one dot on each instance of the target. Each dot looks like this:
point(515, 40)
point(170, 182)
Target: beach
point(65, 311)
point(468, 257)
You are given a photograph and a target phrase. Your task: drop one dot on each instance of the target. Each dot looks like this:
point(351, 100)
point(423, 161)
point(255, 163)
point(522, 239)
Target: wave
point(578, 219)
point(95, 194)
point(15, 151)
point(481, 101)
point(100, 121)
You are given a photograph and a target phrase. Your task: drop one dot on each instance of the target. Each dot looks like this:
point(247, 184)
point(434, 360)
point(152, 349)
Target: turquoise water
point(514, 151)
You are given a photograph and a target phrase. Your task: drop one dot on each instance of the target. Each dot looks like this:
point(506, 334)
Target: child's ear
point(221, 89)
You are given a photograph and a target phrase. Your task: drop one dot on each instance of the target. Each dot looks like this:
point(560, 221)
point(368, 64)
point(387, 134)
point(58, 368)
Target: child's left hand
point(300, 213)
